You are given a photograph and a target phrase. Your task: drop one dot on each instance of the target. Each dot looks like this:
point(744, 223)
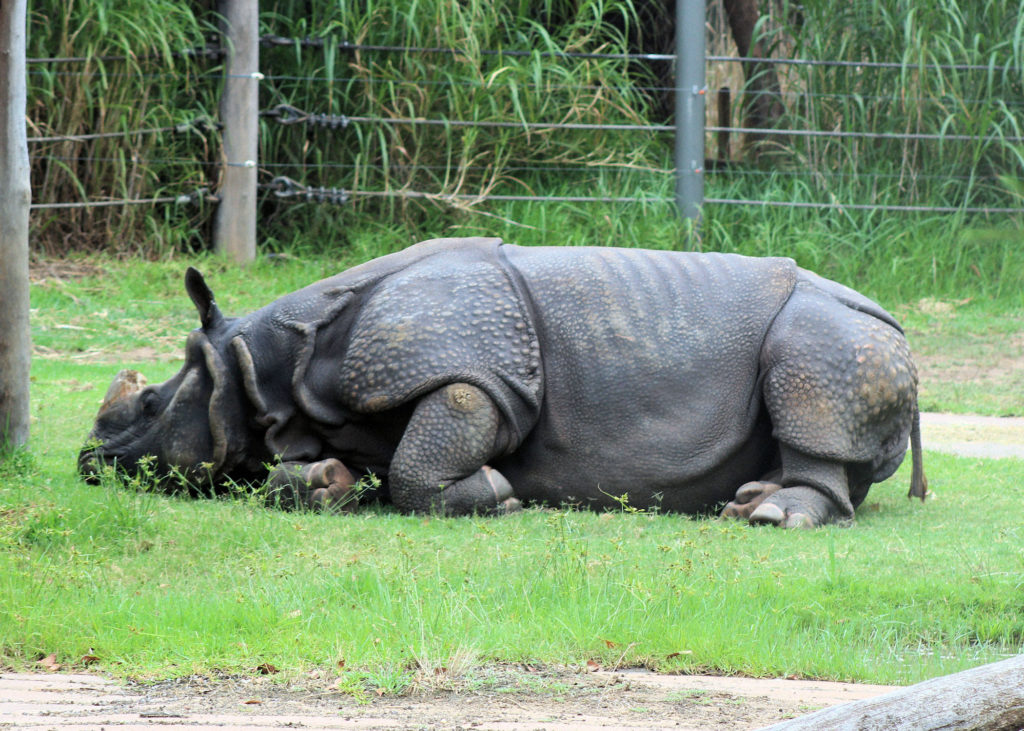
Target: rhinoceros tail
point(918, 482)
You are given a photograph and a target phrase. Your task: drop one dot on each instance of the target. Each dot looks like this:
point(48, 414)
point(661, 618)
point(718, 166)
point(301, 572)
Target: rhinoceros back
point(651, 372)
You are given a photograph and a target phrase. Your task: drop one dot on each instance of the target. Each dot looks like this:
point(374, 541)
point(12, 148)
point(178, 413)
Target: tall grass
point(897, 255)
point(900, 254)
point(467, 85)
point(133, 78)
point(932, 92)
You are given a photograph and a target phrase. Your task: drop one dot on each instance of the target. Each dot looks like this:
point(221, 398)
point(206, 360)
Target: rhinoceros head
point(191, 425)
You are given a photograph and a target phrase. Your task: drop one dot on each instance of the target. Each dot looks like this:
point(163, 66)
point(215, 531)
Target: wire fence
point(982, 185)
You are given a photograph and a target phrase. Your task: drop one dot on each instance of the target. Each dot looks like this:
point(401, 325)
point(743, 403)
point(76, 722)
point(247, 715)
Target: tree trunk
point(986, 698)
point(763, 105)
point(15, 198)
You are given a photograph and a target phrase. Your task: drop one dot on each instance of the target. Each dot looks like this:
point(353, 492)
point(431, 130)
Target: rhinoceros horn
point(126, 383)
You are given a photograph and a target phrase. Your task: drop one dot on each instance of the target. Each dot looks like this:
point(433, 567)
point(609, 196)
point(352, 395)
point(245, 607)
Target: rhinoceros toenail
point(799, 520)
point(768, 513)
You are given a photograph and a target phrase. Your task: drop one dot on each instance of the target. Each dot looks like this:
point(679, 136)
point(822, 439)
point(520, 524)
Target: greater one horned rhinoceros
point(469, 373)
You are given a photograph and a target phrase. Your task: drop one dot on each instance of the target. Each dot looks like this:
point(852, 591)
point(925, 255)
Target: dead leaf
point(252, 702)
point(266, 669)
point(50, 662)
point(381, 691)
point(88, 660)
point(609, 644)
point(341, 663)
point(677, 654)
point(593, 666)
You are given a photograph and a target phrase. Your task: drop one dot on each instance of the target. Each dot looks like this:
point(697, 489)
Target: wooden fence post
point(15, 199)
point(234, 231)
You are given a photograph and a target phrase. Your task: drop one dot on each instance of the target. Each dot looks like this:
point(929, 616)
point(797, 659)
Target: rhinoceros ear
point(209, 314)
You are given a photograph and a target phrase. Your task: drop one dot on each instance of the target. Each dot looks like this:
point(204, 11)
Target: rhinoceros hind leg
point(439, 465)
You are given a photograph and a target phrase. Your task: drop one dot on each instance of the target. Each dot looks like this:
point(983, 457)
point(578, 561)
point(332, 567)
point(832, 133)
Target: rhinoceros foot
point(750, 496)
point(796, 507)
point(324, 485)
point(483, 487)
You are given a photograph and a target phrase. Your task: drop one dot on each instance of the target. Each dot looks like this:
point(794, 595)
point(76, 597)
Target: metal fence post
point(690, 95)
point(234, 230)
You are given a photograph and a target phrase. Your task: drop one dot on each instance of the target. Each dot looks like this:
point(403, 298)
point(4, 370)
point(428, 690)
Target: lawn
point(138, 584)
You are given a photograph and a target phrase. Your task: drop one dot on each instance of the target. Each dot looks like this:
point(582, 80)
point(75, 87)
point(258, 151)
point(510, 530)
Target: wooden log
point(15, 200)
point(234, 232)
point(986, 698)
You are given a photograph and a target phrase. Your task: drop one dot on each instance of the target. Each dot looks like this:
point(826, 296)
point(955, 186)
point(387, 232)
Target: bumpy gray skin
point(472, 374)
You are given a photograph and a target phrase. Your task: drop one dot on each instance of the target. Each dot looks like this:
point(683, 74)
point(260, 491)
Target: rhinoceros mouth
point(93, 462)
point(90, 465)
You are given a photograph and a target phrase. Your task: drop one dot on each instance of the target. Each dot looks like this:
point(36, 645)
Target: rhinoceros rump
point(470, 374)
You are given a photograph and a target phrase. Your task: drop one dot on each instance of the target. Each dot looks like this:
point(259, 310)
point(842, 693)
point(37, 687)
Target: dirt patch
point(497, 698)
point(988, 359)
point(59, 270)
point(170, 350)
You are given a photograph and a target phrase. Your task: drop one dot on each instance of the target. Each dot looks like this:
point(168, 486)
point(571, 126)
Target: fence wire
point(271, 40)
point(286, 114)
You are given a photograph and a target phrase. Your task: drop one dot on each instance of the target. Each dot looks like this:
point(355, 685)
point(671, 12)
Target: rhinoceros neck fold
point(284, 340)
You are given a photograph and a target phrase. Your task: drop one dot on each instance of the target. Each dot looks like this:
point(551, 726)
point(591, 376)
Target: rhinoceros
point(472, 375)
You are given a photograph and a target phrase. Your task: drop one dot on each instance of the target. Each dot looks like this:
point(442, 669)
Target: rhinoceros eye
point(150, 403)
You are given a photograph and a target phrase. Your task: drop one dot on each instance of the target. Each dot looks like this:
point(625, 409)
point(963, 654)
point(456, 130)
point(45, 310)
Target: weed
point(699, 697)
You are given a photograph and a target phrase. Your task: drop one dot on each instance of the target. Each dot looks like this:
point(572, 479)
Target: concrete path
point(966, 435)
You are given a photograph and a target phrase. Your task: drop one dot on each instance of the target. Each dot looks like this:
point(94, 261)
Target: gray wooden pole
point(15, 199)
point(234, 231)
point(690, 94)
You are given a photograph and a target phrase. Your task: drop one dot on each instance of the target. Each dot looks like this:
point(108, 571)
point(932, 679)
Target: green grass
point(155, 586)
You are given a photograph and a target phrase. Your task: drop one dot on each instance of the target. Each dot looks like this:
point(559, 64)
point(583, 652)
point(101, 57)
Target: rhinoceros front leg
point(439, 465)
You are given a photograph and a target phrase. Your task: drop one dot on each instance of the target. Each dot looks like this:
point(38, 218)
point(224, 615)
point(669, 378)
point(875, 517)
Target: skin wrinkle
point(218, 411)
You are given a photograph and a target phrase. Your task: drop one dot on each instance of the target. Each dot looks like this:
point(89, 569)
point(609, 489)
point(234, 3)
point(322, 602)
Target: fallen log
point(986, 698)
